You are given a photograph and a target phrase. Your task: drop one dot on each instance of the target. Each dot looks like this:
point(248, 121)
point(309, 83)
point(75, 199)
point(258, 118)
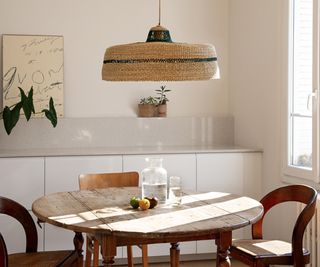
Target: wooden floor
point(204, 263)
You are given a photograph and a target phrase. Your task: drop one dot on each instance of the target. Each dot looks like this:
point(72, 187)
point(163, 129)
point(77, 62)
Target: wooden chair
point(259, 252)
point(31, 257)
point(104, 180)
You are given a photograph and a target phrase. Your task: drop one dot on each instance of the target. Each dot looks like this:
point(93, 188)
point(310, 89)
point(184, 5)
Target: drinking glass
point(175, 190)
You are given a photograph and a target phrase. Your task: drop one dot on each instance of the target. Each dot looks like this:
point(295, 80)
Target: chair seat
point(40, 259)
point(261, 248)
point(261, 252)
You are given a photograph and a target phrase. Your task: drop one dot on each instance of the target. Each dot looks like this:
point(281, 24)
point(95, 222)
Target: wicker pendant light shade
point(160, 59)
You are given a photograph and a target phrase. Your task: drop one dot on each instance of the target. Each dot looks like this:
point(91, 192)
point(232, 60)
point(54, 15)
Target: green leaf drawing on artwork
point(11, 115)
point(51, 113)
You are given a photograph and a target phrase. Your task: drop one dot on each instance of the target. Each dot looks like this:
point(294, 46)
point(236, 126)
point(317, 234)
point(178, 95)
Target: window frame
point(294, 173)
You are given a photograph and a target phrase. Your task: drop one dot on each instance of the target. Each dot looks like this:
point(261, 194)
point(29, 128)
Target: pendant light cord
point(159, 12)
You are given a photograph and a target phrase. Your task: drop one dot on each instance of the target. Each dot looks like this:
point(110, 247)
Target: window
point(302, 113)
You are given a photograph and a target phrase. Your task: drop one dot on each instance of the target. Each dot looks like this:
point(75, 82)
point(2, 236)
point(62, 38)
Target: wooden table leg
point(174, 254)
point(78, 243)
point(144, 249)
point(223, 243)
point(108, 250)
point(130, 256)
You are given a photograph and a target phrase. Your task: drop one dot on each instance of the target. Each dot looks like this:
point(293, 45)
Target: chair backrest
point(298, 193)
point(104, 180)
point(20, 213)
point(3, 252)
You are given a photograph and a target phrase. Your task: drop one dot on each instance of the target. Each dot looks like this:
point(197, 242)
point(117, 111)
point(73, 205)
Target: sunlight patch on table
point(68, 219)
point(238, 204)
point(186, 199)
point(172, 219)
point(88, 216)
point(111, 212)
point(209, 195)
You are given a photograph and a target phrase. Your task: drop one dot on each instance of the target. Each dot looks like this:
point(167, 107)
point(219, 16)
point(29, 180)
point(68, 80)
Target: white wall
point(257, 77)
point(89, 27)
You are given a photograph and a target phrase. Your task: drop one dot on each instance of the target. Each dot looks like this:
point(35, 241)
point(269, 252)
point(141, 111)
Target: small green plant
point(149, 100)
point(162, 98)
point(11, 115)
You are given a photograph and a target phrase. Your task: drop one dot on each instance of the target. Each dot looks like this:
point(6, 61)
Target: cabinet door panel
point(22, 179)
point(62, 172)
point(221, 172)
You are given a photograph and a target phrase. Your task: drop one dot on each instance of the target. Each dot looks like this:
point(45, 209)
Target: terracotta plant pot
point(147, 110)
point(162, 110)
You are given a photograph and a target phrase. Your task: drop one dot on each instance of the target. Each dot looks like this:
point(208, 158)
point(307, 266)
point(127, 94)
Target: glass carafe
point(154, 180)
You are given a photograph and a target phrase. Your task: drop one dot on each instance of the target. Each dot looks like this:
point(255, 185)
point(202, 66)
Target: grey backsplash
point(120, 132)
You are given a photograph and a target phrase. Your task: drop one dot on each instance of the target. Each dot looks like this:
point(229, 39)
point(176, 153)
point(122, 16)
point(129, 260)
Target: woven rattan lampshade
point(160, 59)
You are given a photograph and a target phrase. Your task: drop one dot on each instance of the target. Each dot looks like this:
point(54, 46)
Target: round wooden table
point(106, 213)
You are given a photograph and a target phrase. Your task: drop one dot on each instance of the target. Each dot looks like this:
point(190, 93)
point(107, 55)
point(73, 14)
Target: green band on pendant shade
point(167, 60)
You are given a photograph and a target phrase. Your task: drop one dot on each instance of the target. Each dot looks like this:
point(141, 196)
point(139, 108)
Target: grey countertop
point(134, 150)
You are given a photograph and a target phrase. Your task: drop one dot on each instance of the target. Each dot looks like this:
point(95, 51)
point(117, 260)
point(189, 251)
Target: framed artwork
point(37, 61)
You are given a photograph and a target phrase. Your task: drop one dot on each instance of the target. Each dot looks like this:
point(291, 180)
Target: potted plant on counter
point(162, 101)
point(148, 107)
point(154, 106)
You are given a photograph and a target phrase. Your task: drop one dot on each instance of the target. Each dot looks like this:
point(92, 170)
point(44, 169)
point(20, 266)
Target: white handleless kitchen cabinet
point(22, 179)
point(237, 173)
point(183, 165)
point(221, 172)
point(62, 172)
point(62, 175)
